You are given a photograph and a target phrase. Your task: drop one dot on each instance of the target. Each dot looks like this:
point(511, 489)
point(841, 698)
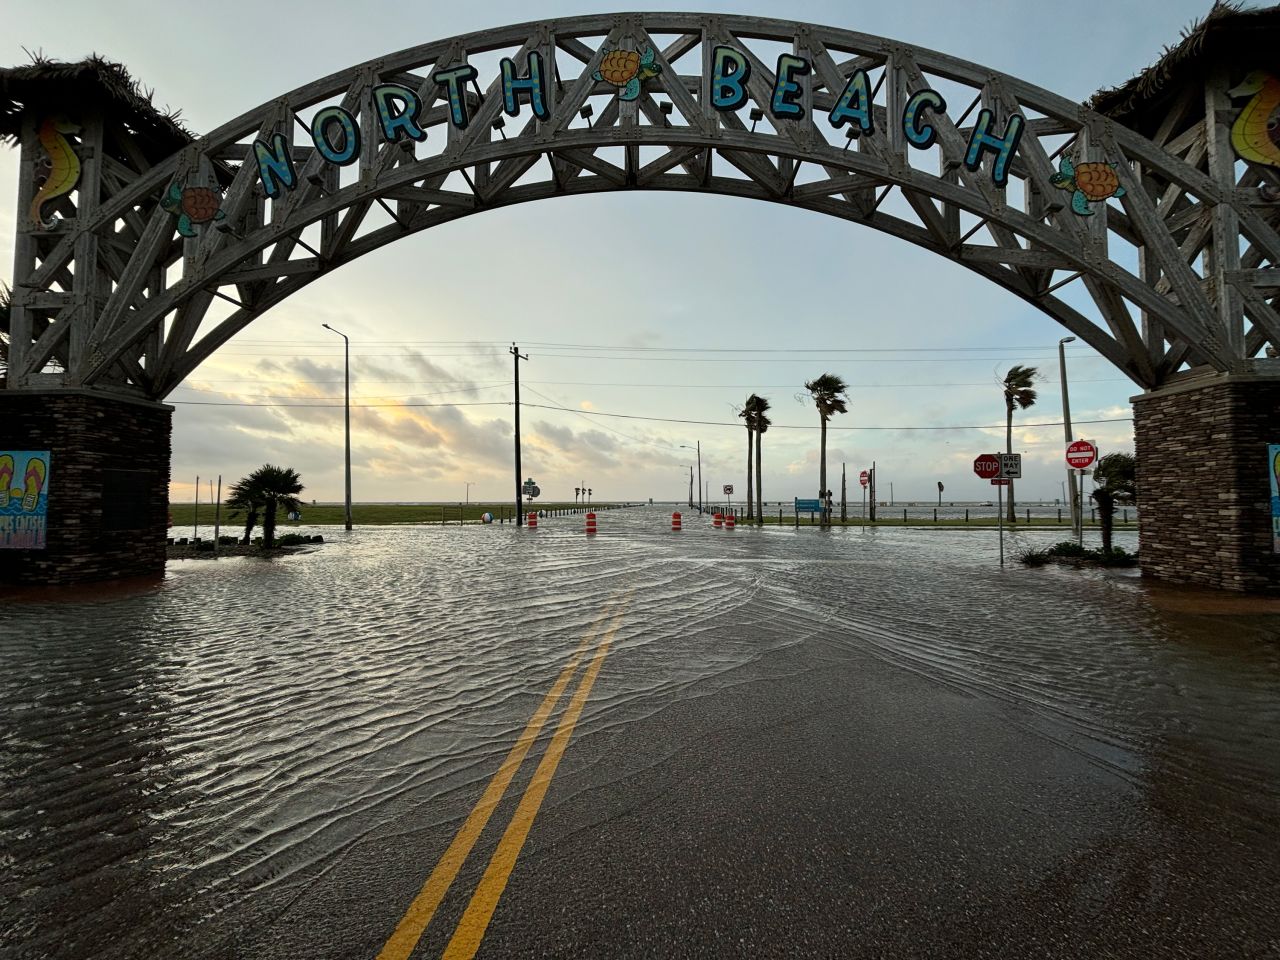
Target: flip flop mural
point(24, 499)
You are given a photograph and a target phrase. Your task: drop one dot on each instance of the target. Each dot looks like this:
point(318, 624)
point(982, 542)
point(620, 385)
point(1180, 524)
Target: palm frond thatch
point(93, 83)
point(1228, 32)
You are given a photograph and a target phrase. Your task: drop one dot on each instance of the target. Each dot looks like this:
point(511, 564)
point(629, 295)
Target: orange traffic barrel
point(728, 522)
point(716, 520)
point(591, 523)
point(675, 521)
point(532, 520)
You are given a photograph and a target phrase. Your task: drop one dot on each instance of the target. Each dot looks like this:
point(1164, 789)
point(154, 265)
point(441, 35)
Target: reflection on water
point(168, 750)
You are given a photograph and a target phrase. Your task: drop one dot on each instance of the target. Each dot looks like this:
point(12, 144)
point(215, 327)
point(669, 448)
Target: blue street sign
point(808, 506)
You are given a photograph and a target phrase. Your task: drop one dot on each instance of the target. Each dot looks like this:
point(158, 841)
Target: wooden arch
point(1174, 274)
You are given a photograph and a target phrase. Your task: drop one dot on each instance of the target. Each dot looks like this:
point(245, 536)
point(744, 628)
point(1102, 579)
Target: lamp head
point(1066, 340)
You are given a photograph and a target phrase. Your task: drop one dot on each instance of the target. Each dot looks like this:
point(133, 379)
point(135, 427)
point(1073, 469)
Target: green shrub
point(1067, 548)
point(291, 540)
point(1033, 558)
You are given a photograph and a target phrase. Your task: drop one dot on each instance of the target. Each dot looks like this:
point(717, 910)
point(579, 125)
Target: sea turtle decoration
point(625, 69)
point(193, 205)
point(1089, 182)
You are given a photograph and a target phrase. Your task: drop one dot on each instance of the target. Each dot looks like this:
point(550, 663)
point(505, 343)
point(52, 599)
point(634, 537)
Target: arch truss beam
point(1160, 254)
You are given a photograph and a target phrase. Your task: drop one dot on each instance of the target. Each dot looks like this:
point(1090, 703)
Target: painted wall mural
point(336, 134)
point(1255, 136)
point(1273, 459)
point(62, 167)
point(24, 499)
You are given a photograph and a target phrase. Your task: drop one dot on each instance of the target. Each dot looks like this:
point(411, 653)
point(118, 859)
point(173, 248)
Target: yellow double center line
point(471, 928)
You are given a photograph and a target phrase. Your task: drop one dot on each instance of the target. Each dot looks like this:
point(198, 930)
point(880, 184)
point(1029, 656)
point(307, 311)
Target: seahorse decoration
point(1256, 133)
point(64, 166)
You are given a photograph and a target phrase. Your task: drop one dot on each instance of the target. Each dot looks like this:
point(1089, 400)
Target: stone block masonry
point(1203, 483)
point(108, 485)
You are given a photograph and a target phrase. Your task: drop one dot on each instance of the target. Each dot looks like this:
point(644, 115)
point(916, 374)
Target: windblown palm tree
point(828, 392)
point(762, 424)
point(267, 489)
point(1116, 479)
point(1018, 392)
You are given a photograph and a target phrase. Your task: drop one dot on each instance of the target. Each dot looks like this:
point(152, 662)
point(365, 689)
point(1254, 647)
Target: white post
point(1000, 517)
point(217, 516)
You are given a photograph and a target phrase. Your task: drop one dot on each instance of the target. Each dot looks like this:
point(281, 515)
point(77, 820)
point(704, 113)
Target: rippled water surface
point(237, 730)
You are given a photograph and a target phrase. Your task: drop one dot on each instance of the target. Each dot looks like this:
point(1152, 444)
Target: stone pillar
point(1204, 508)
point(108, 487)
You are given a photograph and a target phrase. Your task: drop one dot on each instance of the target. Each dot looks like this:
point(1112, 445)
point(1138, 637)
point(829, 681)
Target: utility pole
point(346, 374)
point(844, 495)
point(873, 491)
point(515, 352)
point(691, 486)
point(1077, 525)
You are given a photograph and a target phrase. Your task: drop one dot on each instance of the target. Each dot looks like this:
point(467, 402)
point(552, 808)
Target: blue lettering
point(982, 141)
point(785, 89)
point(275, 165)
point(919, 134)
point(727, 85)
point(513, 87)
point(454, 80)
point(398, 118)
point(854, 104)
point(323, 123)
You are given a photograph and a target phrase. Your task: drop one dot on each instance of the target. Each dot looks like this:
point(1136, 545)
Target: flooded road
point(794, 743)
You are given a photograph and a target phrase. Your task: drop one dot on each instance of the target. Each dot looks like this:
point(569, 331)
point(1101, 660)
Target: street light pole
point(346, 365)
point(1076, 526)
point(515, 352)
point(470, 484)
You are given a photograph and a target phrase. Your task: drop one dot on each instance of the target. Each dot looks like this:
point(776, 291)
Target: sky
point(612, 296)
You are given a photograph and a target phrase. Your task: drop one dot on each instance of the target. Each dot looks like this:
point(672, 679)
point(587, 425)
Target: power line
point(809, 426)
point(629, 416)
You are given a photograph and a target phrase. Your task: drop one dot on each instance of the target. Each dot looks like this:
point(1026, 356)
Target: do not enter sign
point(987, 466)
point(864, 478)
point(1080, 454)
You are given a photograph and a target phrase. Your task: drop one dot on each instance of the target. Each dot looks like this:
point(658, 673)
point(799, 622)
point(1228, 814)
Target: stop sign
point(1080, 454)
point(864, 478)
point(987, 466)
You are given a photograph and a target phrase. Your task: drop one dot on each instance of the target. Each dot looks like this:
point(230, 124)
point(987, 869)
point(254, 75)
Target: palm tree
point(748, 413)
point(242, 496)
point(828, 392)
point(1117, 482)
point(762, 424)
point(1018, 392)
point(268, 488)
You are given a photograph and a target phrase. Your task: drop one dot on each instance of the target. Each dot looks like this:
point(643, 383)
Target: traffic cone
point(591, 523)
point(532, 520)
point(716, 520)
point(675, 522)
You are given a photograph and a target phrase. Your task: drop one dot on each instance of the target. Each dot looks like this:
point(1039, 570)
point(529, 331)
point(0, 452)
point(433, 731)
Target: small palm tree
point(268, 488)
point(1117, 482)
point(828, 392)
point(1018, 392)
point(762, 424)
point(242, 496)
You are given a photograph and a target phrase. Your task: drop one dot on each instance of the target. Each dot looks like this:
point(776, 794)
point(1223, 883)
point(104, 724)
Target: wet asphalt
point(799, 744)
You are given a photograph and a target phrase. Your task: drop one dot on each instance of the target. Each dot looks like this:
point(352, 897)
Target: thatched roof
point(92, 83)
point(1247, 39)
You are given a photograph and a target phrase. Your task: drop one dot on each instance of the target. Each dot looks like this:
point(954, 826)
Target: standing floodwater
point(796, 738)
